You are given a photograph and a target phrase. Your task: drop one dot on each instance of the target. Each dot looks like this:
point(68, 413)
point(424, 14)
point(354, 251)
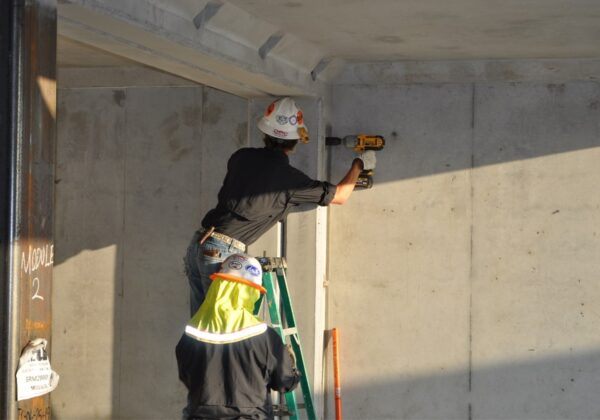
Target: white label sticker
point(35, 377)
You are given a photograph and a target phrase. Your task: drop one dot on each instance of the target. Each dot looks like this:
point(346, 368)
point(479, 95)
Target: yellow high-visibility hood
point(226, 315)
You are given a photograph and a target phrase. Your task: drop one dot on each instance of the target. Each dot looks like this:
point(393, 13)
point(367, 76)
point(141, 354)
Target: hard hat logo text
point(253, 270)
point(236, 265)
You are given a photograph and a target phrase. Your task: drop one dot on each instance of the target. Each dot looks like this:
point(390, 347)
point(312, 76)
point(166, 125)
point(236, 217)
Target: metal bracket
point(272, 263)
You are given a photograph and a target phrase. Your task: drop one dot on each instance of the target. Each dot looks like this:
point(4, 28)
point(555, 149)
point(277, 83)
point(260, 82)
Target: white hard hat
point(283, 120)
point(241, 268)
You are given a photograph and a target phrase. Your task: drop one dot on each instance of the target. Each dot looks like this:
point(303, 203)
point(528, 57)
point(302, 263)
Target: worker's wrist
point(359, 163)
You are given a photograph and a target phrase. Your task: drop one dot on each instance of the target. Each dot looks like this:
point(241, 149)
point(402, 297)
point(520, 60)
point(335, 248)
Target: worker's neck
point(286, 152)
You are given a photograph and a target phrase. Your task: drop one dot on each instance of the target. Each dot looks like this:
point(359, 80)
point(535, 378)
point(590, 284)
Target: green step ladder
point(284, 322)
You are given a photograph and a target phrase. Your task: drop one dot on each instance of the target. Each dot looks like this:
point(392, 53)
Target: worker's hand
point(368, 159)
point(291, 354)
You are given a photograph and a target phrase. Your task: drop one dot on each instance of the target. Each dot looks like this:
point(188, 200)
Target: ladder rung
point(282, 411)
point(290, 331)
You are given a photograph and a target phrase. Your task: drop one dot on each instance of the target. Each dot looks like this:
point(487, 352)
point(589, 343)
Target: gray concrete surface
point(222, 50)
point(222, 53)
point(463, 282)
point(468, 71)
point(388, 30)
point(88, 270)
point(399, 254)
point(136, 170)
point(116, 77)
point(536, 213)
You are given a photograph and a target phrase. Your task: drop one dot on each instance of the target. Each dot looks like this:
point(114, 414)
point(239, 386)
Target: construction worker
point(229, 359)
point(259, 190)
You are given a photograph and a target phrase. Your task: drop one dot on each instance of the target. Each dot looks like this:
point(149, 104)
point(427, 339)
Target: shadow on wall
point(500, 252)
point(552, 387)
point(137, 169)
point(135, 175)
point(433, 129)
point(428, 129)
point(148, 207)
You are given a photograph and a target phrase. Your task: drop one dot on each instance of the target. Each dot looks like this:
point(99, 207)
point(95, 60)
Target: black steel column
point(5, 152)
point(28, 130)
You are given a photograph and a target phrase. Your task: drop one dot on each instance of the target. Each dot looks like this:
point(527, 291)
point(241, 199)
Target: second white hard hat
point(241, 268)
point(283, 120)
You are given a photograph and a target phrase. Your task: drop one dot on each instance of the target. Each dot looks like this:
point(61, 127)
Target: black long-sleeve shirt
point(228, 381)
point(259, 190)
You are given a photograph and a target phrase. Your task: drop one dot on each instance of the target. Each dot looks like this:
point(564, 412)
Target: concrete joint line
point(209, 11)
point(270, 44)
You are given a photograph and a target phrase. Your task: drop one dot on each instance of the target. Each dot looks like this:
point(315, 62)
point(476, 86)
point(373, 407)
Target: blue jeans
point(201, 261)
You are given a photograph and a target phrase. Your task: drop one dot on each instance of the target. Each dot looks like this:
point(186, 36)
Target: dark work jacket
point(229, 381)
point(260, 188)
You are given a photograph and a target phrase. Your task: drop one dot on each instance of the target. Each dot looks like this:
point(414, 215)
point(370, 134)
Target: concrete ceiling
point(392, 30)
point(264, 47)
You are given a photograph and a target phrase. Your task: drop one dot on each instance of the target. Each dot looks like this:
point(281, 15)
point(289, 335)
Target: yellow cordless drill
point(360, 143)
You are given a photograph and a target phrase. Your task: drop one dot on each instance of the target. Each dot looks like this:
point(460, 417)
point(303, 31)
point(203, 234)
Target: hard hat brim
point(237, 279)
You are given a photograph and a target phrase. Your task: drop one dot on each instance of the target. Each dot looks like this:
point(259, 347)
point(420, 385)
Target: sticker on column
point(35, 377)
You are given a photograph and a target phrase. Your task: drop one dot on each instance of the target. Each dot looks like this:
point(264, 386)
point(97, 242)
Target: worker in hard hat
point(260, 189)
point(228, 358)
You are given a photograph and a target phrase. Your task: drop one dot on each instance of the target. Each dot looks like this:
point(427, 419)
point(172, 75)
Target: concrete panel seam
point(120, 276)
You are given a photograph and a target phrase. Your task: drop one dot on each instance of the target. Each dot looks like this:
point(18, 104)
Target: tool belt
point(210, 233)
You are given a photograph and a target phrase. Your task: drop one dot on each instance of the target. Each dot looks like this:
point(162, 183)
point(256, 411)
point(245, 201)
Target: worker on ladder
point(259, 190)
point(228, 358)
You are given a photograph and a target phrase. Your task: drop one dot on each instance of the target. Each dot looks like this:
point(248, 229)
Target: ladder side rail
point(304, 380)
point(295, 342)
point(276, 322)
point(272, 305)
point(285, 298)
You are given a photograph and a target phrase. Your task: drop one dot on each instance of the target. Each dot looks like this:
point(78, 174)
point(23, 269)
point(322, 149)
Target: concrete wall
point(464, 282)
point(137, 169)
